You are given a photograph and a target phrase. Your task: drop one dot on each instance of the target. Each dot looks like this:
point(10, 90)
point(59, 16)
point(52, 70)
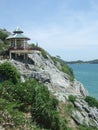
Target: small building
point(19, 43)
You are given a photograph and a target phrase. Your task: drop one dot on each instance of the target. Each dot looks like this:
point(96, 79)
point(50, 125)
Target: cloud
point(69, 27)
point(60, 37)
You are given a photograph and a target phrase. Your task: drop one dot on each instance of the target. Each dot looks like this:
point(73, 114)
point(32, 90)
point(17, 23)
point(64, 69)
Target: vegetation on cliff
point(30, 105)
point(64, 67)
point(16, 100)
point(92, 102)
point(9, 72)
point(4, 45)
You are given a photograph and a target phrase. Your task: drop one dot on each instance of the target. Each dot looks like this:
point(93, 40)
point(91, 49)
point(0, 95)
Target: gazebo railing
point(26, 48)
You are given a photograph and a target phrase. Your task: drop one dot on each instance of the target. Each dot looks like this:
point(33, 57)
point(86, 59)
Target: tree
point(9, 72)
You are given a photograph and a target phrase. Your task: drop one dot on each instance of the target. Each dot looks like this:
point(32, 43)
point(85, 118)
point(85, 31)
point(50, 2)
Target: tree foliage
point(3, 35)
point(4, 44)
point(9, 72)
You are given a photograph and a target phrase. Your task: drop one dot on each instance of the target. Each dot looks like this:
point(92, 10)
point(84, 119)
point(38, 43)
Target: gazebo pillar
point(24, 44)
point(10, 56)
point(15, 44)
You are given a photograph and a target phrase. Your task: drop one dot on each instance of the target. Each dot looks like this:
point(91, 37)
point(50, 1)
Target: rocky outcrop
point(85, 114)
point(45, 71)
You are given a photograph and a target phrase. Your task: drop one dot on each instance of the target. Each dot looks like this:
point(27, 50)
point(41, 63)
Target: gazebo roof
point(17, 30)
point(17, 34)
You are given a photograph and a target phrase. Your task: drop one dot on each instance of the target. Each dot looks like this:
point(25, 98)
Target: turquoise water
point(87, 74)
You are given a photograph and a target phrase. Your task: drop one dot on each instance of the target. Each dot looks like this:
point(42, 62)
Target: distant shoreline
point(83, 62)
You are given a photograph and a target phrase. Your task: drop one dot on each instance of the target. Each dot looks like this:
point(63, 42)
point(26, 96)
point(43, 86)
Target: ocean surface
point(87, 74)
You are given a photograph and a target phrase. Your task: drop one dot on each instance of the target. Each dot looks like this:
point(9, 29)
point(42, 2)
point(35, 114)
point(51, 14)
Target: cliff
point(45, 70)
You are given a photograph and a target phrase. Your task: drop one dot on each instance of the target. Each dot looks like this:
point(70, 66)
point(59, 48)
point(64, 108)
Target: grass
point(64, 67)
point(92, 102)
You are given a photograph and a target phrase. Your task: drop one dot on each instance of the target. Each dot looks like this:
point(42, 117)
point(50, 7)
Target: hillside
point(82, 62)
point(40, 93)
point(73, 112)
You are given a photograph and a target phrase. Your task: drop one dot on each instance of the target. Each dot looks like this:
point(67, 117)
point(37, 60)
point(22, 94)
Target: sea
point(87, 74)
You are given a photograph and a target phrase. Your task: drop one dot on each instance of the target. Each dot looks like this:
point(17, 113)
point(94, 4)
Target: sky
point(65, 28)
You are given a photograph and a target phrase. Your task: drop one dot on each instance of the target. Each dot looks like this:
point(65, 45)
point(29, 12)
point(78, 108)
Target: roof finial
point(17, 30)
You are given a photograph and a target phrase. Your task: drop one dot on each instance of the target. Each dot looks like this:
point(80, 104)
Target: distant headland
point(95, 61)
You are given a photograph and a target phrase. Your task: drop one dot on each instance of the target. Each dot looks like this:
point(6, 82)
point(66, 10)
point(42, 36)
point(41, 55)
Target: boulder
point(41, 76)
point(77, 116)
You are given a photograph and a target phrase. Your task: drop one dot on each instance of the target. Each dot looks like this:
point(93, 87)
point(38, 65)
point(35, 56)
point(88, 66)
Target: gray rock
point(1, 128)
point(86, 108)
point(45, 71)
point(80, 90)
point(41, 76)
point(78, 105)
point(77, 116)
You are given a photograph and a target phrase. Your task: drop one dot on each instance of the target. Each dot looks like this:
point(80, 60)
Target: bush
point(9, 114)
point(44, 53)
point(72, 98)
point(64, 67)
point(68, 70)
point(44, 109)
point(4, 45)
point(81, 127)
point(7, 89)
point(32, 93)
point(32, 97)
point(3, 35)
point(22, 93)
point(9, 72)
point(92, 102)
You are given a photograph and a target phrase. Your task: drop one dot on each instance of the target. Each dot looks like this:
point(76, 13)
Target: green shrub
point(91, 101)
point(83, 127)
point(4, 45)
point(32, 97)
point(44, 109)
point(64, 67)
point(72, 98)
point(68, 70)
point(9, 72)
point(55, 60)
point(10, 115)
point(7, 89)
point(44, 53)
point(44, 105)
point(3, 35)
point(63, 125)
point(22, 93)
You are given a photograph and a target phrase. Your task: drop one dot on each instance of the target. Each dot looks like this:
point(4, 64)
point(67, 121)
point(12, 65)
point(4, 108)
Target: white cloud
point(71, 30)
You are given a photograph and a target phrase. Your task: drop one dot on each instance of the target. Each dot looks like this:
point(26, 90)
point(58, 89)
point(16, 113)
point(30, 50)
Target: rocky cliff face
point(45, 71)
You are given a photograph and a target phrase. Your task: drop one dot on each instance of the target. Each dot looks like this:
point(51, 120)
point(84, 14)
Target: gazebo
point(19, 43)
